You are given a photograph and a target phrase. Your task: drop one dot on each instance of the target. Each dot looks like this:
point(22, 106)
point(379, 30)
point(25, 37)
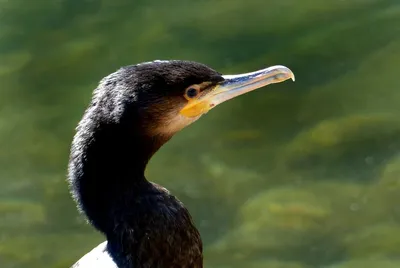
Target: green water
point(295, 175)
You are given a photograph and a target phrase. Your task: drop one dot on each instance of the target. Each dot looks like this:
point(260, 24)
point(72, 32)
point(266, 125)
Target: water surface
point(295, 175)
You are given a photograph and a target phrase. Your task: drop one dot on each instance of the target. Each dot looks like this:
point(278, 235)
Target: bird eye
point(192, 92)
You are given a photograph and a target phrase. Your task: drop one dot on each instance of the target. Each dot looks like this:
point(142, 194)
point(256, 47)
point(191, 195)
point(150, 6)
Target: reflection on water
point(297, 175)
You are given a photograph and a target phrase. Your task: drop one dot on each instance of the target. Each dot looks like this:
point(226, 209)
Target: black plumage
point(133, 112)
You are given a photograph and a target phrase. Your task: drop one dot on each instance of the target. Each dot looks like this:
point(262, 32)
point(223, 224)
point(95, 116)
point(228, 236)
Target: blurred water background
point(296, 175)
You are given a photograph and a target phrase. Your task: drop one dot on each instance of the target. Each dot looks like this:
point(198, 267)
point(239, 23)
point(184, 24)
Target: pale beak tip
point(288, 73)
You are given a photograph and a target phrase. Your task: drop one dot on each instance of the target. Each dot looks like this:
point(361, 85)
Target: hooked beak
point(236, 85)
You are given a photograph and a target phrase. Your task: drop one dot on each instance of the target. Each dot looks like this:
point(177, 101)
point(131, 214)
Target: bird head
point(167, 96)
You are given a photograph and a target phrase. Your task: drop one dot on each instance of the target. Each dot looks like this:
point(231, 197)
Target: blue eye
point(191, 92)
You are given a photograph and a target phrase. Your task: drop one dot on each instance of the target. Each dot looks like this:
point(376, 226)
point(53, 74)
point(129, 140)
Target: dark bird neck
point(145, 226)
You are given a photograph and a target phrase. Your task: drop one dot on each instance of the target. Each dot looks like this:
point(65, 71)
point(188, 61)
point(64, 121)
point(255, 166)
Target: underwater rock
point(257, 264)
point(374, 241)
point(45, 250)
point(349, 147)
point(314, 222)
point(390, 177)
point(368, 263)
point(278, 222)
point(14, 61)
point(17, 215)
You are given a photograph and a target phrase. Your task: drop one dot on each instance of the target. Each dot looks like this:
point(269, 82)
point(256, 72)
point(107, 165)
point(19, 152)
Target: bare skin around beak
point(236, 85)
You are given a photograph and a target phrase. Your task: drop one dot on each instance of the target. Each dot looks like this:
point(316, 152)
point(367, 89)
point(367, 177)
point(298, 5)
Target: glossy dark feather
point(145, 226)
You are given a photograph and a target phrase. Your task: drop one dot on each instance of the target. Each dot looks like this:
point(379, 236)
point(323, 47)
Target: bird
point(133, 112)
